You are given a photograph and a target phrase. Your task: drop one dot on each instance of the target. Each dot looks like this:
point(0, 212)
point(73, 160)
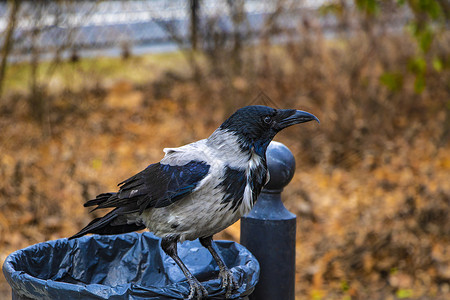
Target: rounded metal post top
point(269, 230)
point(281, 165)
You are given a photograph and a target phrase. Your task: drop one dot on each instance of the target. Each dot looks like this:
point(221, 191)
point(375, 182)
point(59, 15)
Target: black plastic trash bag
point(127, 266)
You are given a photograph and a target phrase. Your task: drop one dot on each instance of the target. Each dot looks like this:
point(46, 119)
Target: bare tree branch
point(7, 43)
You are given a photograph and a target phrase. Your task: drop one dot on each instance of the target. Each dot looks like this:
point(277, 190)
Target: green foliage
point(437, 64)
point(432, 8)
point(392, 80)
point(419, 83)
point(424, 29)
point(404, 293)
point(418, 67)
point(331, 8)
point(370, 7)
point(423, 34)
point(317, 294)
point(344, 286)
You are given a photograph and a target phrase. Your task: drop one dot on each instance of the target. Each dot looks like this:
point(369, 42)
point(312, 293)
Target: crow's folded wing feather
point(157, 186)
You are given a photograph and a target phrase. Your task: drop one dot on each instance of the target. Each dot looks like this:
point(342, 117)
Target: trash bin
point(127, 266)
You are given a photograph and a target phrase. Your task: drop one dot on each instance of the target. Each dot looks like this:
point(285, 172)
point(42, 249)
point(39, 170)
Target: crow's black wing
point(157, 186)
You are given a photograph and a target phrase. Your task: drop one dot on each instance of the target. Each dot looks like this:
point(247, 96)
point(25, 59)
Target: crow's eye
point(268, 119)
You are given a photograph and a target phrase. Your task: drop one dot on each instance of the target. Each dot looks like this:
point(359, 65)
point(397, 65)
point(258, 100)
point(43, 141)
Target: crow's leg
point(228, 281)
point(169, 245)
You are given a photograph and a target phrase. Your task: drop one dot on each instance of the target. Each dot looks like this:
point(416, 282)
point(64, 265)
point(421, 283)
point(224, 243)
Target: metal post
point(268, 231)
point(194, 23)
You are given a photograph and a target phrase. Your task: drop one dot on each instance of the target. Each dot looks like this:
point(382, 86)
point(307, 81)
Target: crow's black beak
point(289, 117)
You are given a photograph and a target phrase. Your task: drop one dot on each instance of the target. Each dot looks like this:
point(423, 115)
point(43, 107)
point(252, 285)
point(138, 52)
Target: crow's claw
point(197, 291)
point(228, 282)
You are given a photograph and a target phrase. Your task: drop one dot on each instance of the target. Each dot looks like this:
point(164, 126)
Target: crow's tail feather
point(102, 198)
point(115, 222)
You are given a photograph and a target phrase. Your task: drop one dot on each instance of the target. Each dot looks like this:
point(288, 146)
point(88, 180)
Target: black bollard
point(268, 231)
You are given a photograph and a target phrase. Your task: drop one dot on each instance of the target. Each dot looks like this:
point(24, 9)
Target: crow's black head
point(257, 125)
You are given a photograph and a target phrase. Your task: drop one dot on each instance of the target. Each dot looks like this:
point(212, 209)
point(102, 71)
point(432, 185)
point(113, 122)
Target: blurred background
point(91, 91)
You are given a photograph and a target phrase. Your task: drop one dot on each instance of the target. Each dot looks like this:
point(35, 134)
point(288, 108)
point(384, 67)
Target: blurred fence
point(65, 28)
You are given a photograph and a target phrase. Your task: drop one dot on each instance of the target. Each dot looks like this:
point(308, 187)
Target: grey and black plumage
point(198, 189)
